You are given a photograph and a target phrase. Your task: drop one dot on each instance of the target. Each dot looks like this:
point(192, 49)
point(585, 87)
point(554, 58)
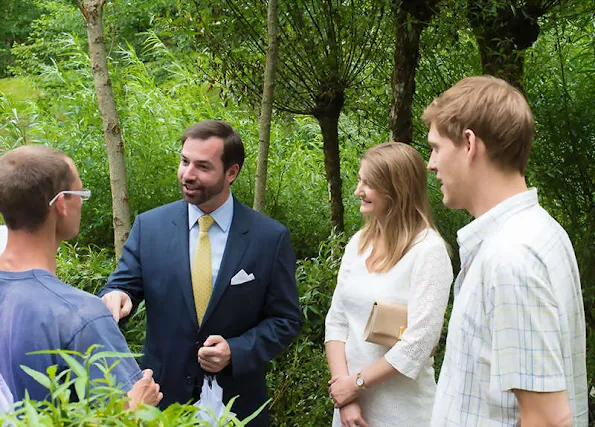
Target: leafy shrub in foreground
point(100, 401)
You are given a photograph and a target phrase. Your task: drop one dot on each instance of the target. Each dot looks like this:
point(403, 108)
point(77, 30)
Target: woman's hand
point(351, 415)
point(342, 390)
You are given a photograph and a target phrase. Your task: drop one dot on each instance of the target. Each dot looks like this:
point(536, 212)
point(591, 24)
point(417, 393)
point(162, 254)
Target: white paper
point(211, 397)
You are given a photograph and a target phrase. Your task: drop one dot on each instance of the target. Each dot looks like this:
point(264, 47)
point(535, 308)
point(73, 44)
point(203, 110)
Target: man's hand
point(342, 389)
point(351, 415)
point(215, 354)
point(118, 303)
point(145, 390)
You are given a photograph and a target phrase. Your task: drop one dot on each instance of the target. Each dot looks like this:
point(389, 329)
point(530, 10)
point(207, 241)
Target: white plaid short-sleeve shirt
point(518, 319)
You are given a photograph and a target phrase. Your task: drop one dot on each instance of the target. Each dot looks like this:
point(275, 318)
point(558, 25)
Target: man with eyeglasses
point(40, 199)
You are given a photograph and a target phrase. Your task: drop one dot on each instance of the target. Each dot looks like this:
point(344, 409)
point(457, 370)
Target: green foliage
point(18, 90)
point(16, 17)
point(159, 95)
point(88, 268)
point(298, 378)
point(39, 51)
point(560, 87)
point(99, 402)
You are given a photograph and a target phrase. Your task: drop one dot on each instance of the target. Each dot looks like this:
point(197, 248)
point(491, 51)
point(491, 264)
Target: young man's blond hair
point(497, 112)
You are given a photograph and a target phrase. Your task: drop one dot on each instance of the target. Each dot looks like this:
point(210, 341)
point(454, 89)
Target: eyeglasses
point(84, 194)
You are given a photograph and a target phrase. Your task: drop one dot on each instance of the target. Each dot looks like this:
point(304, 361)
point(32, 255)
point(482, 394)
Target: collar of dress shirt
point(222, 215)
point(475, 232)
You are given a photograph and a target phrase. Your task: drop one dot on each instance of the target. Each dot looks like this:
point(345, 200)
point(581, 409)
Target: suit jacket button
point(189, 380)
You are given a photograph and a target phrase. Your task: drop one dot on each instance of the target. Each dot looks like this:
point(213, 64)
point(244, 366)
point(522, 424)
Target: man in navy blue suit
point(251, 312)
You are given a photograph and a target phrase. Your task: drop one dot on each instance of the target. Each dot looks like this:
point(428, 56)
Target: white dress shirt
point(218, 232)
point(517, 321)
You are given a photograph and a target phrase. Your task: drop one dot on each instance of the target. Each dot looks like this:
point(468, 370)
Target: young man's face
point(201, 174)
point(449, 163)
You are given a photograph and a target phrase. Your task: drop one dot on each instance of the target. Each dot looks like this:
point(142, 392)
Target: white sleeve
point(336, 325)
point(429, 290)
point(527, 340)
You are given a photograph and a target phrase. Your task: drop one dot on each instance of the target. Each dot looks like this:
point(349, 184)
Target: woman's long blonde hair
point(398, 173)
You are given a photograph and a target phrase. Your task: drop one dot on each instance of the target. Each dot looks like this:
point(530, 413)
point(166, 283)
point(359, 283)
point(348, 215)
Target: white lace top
point(422, 280)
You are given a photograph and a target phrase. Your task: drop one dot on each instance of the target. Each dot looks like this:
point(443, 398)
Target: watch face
point(359, 381)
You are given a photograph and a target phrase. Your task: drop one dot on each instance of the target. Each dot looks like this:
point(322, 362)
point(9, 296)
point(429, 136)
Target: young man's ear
point(472, 144)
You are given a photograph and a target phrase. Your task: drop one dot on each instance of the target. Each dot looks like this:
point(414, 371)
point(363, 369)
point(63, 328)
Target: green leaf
point(73, 364)
point(80, 386)
point(148, 413)
point(255, 414)
point(51, 371)
point(37, 376)
point(32, 417)
point(111, 354)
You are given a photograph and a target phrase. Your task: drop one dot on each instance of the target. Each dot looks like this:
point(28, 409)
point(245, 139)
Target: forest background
point(347, 75)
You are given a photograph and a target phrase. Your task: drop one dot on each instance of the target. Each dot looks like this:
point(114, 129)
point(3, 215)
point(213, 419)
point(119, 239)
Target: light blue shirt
point(67, 318)
point(217, 233)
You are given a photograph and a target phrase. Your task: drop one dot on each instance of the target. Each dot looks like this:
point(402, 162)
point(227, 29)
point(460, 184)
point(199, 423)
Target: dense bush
point(77, 400)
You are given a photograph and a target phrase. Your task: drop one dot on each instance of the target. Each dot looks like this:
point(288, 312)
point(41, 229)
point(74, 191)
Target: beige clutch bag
point(386, 323)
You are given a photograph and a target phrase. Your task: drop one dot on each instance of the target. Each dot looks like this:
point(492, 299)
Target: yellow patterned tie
point(202, 274)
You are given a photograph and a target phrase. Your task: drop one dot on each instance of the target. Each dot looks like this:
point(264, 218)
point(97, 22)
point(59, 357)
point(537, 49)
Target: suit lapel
point(236, 245)
point(178, 251)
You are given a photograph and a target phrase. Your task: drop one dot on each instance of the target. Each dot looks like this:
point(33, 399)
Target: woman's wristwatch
point(360, 382)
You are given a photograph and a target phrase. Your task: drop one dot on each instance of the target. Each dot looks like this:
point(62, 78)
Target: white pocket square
point(241, 277)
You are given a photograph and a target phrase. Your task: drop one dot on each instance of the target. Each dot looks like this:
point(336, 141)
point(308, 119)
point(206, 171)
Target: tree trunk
point(327, 113)
point(411, 18)
point(92, 11)
point(266, 110)
point(504, 31)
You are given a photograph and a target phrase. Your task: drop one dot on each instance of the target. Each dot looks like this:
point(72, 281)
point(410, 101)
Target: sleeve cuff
point(528, 383)
point(131, 381)
point(406, 366)
point(335, 335)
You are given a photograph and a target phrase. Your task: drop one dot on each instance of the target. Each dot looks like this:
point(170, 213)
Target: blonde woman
point(397, 257)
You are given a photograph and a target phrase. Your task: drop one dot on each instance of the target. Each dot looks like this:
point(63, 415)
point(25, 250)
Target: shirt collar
point(475, 232)
point(222, 215)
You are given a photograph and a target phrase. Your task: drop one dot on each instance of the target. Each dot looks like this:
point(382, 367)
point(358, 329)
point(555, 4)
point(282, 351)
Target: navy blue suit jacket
point(258, 318)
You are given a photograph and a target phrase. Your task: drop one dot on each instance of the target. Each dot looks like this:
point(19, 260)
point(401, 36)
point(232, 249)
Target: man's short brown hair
point(494, 110)
point(30, 176)
point(233, 147)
